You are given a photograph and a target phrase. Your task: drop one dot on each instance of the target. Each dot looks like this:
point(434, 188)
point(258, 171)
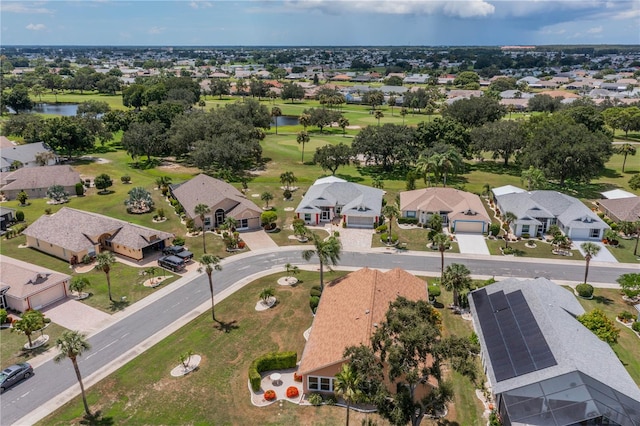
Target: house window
point(244, 223)
point(313, 383)
point(207, 222)
point(411, 213)
point(326, 384)
point(307, 217)
point(525, 229)
point(338, 209)
point(595, 233)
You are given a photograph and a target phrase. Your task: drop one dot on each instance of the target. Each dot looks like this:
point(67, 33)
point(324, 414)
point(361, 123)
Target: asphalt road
point(51, 380)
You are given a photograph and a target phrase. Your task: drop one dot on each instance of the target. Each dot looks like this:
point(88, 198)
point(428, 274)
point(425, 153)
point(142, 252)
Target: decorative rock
point(263, 306)
point(180, 370)
point(287, 281)
point(37, 342)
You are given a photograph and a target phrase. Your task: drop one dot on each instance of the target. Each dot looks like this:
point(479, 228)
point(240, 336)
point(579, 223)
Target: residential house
point(25, 156)
point(350, 309)
point(72, 234)
point(543, 366)
point(25, 286)
point(538, 210)
point(35, 181)
point(621, 209)
point(223, 201)
point(332, 198)
point(7, 215)
point(460, 211)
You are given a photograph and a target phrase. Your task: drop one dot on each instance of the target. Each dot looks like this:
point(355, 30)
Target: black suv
point(178, 251)
point(172, 263)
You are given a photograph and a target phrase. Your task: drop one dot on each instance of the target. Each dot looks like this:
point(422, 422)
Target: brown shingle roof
point(40, 177)
point(350, 309)
point(450, 200)
point(25, 279)
point(211, 192)
point(77, 230)
point(625, 209)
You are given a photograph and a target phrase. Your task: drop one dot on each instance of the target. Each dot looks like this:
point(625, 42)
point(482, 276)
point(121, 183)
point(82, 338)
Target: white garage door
point(359, 222)
point(462, 226)
point(46, 297)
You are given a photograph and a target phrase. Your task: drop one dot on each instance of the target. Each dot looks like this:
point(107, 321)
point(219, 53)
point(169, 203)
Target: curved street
point(145, 323)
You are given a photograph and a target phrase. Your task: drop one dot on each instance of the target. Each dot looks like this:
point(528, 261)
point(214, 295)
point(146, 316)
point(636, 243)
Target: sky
point(319, 22)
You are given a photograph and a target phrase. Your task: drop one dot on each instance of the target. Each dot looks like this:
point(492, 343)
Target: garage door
point(46, 297)
point(464, 226)
point(359, 222)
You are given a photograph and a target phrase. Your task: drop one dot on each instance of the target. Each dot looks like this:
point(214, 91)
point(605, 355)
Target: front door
point(326, 214)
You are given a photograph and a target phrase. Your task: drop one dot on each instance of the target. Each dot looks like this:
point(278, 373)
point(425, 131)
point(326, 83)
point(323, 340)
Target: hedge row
point(270, 361)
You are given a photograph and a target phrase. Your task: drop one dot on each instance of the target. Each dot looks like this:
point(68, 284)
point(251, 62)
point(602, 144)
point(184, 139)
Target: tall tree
point(475, 111)
point(347, 386)
point(104, 261)
point(504, 138)
point(302, 138)
point(275, 113)
point(378, 115)
point(292, 91)
point(508, 219)
point(456, 279)
point(208, 264)
point(327, 251)
point(442, 242)
point(67, 134)
point(534, 178)
point(331, 157)
point(142, 138)
point(72, 344)
point(202, 210)
point(390, 211)
point(305, 120)
point(590, 250)
point(343, 123)
point(18, 98)
point(287, 179)
point(625, 150)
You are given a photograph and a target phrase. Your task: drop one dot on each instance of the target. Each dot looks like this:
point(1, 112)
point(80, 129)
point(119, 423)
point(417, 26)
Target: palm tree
point(304, 120)
point(343, 122)
point(276, 112)
point(31, 321)
point(287, 179)
point(163, 182)
point(624, 150)
point(590, 250)
point(534, 177)
point(347, 386)
point(202, 210)
point(390, 211)
point(442, 242)
point(391, 102)
point(456, 278)
point(71, 344)
point(291, 270)
point(378, 115)
point(508, 219)
point(637, 225)
point(303, 138)
point(209, 263)
point(230, 223)
point(425, 166)
point(79, 284)
point(403, 113)
point(104, 261)
point(328, 252)
point(266, 197)
point(449, 162)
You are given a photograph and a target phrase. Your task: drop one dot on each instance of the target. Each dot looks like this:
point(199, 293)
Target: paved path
point(147, 322)
point(604, 255)
point(472, 243)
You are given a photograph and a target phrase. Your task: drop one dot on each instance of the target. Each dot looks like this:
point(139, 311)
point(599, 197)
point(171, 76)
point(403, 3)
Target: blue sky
point(319, 22)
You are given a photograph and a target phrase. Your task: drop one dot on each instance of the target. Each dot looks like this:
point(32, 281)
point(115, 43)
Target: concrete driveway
point(604, 255)
point(258, 240)
point(75, 315)
point(472, 243)
point(354, 239)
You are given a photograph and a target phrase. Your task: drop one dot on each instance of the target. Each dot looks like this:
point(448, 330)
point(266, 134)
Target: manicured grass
point(542, 250)
point(143, 391)
point(624, 251)
point(12, 348)
point(628, 346)
point(415, 239)
point(114, 101)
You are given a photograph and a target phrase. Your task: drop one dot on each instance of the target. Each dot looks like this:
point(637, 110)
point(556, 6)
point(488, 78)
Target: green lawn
point(148, 395)
point(542, 250)
point(12, 348)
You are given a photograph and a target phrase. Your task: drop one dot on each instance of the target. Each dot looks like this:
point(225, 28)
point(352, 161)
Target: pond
point(285, 120)
point(56, 109)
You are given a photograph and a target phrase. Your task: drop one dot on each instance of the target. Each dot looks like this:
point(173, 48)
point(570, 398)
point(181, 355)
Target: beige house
point(25, 286)
point(222, 199)
point(35, 181)
point(460, 211)
point(621, 209)
point(350, 309)
point(71, 234)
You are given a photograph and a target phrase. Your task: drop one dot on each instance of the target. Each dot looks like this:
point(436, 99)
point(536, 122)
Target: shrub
point(268, 218)
point(507, 250)
point(315, 292)
point(19, 215)
point(614, 226)
point(584, 290)
point(173, 202)
point(384, 236)
point(494, 229)
point(598, 322)
point(270, 361)
point(526, 236)
point(3, 316)
point(292, 392)
point(179, 209)
point(297, 377)
point(47, 211)
point(160, 213)
point(178, 241)
point(434, 291)
point(382, 228)
point(287, 194)
point(636, 326)
point(625, 316)
point(270, 395)
point(600, 215)
point(125, 179)
point(408, 220)
point(313, 303)
point(331, 400)
point(315, 399)
point(79, 189)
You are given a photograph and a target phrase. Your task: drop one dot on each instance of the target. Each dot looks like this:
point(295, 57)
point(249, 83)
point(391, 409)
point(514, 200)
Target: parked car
point(172, 263)
point(178, 251)
point(14, 374)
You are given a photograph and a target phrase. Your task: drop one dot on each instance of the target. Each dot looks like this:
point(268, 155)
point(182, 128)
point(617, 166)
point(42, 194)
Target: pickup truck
point(178, 251)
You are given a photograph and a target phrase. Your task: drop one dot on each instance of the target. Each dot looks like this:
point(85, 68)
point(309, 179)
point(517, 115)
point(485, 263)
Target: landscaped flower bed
point(292, 392)
point(297, 377)
point(270, 395)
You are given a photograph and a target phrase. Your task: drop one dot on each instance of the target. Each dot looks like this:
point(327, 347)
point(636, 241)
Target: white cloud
point(156, 30)
point(595, 30)
point(453, 8)
point(197, 4)
point(36, 27)
point(23, 8)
